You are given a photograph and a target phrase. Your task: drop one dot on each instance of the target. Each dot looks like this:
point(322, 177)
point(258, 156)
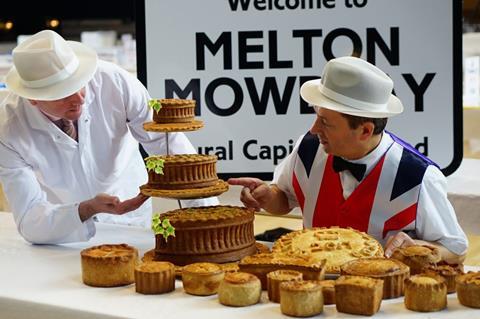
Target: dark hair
point(356, 121)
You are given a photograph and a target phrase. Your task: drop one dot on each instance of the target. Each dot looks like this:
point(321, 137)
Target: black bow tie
point(357, 170)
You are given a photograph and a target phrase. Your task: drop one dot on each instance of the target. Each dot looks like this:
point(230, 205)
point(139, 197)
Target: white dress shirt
point(45, 174)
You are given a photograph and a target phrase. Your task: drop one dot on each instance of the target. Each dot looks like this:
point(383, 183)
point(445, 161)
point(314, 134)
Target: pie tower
point(201, 234)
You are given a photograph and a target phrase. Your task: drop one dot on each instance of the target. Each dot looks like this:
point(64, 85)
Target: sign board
point(244, 61)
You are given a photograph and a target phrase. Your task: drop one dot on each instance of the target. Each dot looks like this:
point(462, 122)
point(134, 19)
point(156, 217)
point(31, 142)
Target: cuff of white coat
point(458, 247)
point(87, 227)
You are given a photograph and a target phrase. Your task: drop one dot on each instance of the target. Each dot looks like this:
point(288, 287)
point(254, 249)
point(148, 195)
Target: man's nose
point(316, 127)
point(77, 98)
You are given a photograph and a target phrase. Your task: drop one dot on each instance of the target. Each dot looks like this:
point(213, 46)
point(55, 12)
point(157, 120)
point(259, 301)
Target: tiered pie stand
point(191, 193)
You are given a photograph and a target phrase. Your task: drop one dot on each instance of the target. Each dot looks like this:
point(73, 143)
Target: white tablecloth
point(45, 282)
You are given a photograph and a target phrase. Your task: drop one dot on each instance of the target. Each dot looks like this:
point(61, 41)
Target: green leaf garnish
point(155, 104)
point(162, 227)
point(155, 164)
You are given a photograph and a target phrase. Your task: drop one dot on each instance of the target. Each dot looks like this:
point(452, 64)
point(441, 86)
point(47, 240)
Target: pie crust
point(175, 111)
point(336, 245)
point(328, 290)
point(261, 264)
point(202, 279)
point(184, 171)
point(448, 272)
point(358, 295)
point(425, 293)
point(275, 278)
point(301, 298)
point(207, 234)
point(109, 265)
point(173, 127)
point(239, 289)
point(417, 257)
point(220, 187)
point(391, 271)
point(154, 277)
point(468, 289)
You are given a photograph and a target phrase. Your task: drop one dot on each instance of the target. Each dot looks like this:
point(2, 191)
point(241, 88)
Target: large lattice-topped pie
point(336, 245)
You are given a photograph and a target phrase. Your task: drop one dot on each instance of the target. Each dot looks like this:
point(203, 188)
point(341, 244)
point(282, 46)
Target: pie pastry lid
point(425, 293)
point(194, 125)
point(468, 289)
point(154, 277)
point(335, 244)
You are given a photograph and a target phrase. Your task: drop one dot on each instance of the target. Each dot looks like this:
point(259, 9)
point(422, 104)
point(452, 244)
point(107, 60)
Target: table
point(40, 281)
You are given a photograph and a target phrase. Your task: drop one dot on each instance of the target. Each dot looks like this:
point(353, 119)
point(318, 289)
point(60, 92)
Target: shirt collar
point(372, 158)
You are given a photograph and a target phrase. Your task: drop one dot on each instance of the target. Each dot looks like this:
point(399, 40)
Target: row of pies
point(294, 281)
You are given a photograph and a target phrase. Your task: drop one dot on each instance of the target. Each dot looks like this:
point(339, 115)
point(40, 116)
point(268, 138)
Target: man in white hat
point(69, 134)
point(347, 171)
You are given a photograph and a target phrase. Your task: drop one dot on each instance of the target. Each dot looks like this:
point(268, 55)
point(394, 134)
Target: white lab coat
point(46, 174)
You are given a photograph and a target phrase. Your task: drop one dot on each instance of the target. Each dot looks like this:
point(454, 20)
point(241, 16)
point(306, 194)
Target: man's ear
point(367, 129)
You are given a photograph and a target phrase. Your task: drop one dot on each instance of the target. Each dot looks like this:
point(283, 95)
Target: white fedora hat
point(47, 67)
point(353, 86)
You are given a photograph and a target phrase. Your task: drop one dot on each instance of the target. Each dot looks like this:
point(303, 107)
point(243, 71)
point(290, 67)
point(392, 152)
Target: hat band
point(356, 104)
point(67, 71)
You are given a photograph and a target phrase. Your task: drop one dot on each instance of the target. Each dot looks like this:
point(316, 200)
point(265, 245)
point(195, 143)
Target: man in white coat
point(69, 134)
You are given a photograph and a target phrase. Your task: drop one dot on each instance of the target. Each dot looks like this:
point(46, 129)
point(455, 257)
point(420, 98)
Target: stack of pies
point(336, 245)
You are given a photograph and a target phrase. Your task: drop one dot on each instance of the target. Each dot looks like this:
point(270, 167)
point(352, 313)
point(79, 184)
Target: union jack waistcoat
point(384, 201)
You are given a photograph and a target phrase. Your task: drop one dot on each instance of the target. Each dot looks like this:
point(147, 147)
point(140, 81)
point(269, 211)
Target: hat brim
point(87, 59)
point(311, 94)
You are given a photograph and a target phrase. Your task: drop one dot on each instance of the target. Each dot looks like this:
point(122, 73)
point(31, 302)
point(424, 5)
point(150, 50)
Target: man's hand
point(255, 192)
point(398, 240)
point(104, 203)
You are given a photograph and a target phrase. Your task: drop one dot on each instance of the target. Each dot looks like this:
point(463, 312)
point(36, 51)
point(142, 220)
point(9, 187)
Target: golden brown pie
point(468, 289)
point(239, 289)
point(425, 292)
point(275, 278)
point(261, 264)
point(229, 267)
point(155, 277)
point(109, 265)
point(328, 289)
point(417, 257)
point(207, 234)
point(336, 245)
point(391, 271)
point(448, 272)
point(174, 111)
point(184, 171)
point(358, 295)
point(301, 298)
point(202, 279)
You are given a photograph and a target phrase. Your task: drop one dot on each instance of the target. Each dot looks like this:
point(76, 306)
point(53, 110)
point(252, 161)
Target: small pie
point(275, 278)
point(156, 277)
point(328, 289)
point(358, 295)
point(448, 272)
point(417, 257)
point(425, 293)
point(301, 298)
point(336, 245)
point(239, 289)
point(202, 279)
point(468, 289)
point(109, 265)
point(261, 264)
point(391, 271)
point(175, 111)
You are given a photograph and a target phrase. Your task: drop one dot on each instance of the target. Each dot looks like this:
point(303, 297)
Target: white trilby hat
point(353, 86)
point(47, 67)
